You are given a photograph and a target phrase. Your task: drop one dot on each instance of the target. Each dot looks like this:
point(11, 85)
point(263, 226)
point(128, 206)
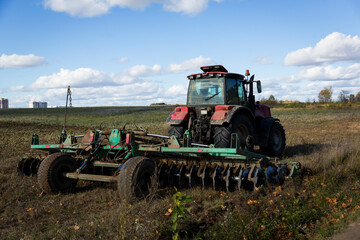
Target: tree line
point(326, 94)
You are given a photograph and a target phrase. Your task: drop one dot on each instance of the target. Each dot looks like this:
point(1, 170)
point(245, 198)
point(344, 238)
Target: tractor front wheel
point(276, 141)
point(51, 173)
point(240, 125)
point(137, 179)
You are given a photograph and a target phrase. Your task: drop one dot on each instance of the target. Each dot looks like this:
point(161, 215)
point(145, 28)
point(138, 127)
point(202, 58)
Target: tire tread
point(44, 176)
point(127, 175)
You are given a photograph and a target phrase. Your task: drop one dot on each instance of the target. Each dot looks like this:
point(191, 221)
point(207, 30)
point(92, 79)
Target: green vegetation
point(178, 211)
point(95, 117)
point(323, 198)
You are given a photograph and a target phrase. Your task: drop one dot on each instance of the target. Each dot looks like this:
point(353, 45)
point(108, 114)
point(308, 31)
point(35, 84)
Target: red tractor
point(220, 103)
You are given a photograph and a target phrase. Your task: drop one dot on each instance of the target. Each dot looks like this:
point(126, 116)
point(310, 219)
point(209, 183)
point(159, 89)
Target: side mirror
point(258, 86)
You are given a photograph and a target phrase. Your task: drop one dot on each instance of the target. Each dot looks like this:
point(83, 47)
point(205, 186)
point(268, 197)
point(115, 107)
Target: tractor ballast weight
point(220, 103)
point(140, 162)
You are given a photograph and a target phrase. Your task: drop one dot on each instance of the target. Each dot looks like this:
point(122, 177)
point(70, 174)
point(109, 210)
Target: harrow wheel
point(137, 179)
point(51, 173)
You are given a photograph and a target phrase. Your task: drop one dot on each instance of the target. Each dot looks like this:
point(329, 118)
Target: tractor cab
point(216, 91)
point(216, 86)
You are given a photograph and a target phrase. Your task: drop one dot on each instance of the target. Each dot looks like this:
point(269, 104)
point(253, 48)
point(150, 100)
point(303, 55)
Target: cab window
point(205, 92)
point(241, 92)
point(232, 91)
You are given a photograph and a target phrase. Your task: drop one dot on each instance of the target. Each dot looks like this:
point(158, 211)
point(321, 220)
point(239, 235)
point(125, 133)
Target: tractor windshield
point(206, 91)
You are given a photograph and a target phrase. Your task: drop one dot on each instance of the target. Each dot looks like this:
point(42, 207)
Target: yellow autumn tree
point(325, 95)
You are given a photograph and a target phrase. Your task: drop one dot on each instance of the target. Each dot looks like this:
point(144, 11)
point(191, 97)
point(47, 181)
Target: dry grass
point(326, 142)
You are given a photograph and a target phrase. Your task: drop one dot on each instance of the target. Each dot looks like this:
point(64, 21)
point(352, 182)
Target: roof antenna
point(63, 134)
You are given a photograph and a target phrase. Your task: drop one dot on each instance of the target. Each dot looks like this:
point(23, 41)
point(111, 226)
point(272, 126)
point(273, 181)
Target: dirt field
point(323, 198)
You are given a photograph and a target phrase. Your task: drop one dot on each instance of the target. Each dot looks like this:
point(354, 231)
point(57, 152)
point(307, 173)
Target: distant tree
point(271, 98)
point(325, 95)
point(344, 96)
point(262, 100)
point(357, 98)
point(156, 104)
point(352, 98)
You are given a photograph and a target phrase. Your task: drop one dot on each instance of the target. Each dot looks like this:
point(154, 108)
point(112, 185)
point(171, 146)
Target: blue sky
point(136, 52)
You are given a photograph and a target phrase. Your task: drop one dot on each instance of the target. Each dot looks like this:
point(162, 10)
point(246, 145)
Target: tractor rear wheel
point(177, 130)
point(240, 125)
point(276, 141)
point(137, 179)
point(51, 173)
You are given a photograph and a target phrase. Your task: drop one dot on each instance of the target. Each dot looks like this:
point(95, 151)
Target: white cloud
point(310, 81)
point(92, 87)
point(18, 88)
point(263, 61)
point(85, 77)
point(186, 6)
point(190, 64)
point(145, 71)
point(143, 93)
point(80, 8)
point(20, 61)
point(91, 8)
point(23, 100)
point(333, 48)
point(320, 73)
point(335, 84)
point(123, 59)
point(80, 77)
point(176, 90)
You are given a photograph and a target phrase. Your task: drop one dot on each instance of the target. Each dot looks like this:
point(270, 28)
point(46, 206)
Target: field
point(322, 199)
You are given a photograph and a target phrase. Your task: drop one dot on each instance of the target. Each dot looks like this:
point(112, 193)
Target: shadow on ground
point(303, 149)
point(89, 186)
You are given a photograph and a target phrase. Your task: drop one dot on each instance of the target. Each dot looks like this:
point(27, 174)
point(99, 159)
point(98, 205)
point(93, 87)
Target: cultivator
point(140, 162)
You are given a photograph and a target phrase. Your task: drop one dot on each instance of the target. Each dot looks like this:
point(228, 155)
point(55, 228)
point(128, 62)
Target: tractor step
point(91, 177)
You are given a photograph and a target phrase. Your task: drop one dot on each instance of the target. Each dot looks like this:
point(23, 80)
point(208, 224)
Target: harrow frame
point(101, 156)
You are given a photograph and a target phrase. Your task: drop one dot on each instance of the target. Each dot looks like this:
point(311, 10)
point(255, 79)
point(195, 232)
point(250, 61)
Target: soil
point(352, 232)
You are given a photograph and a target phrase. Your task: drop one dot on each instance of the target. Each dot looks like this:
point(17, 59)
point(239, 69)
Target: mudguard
point(264, 130)
point(178, 116)
point(224, 114)
point(262, 111)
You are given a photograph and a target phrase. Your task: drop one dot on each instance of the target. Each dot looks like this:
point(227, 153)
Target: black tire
point(50, 175)
point(240, 124)
point(177, 130)
point(276, 142)
point(137, 179)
